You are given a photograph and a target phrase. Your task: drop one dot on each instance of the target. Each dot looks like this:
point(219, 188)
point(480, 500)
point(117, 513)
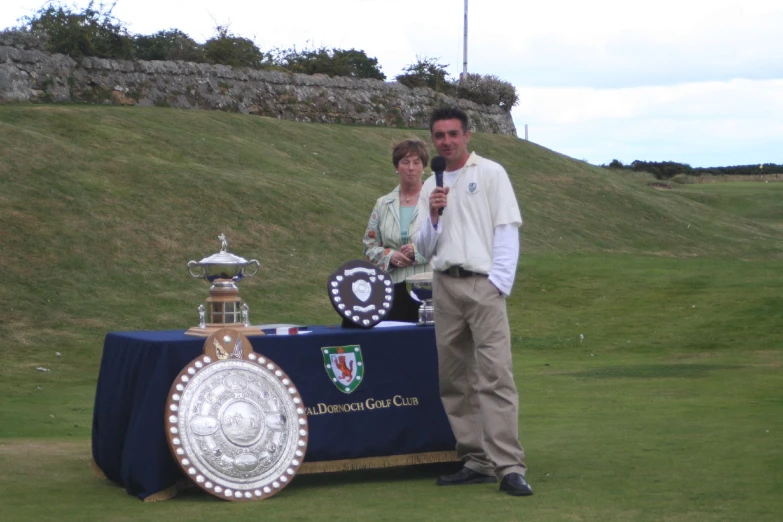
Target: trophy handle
point(191, 264)
point(251, 262)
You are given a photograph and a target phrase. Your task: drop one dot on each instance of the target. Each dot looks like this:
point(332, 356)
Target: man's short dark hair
point(449, 113)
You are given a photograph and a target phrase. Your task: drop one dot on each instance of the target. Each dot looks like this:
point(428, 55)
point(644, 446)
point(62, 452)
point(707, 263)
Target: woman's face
point(410, 169)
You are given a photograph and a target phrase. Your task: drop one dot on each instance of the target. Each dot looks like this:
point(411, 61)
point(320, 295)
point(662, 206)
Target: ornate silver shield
point(236, 424)
point(362, 290)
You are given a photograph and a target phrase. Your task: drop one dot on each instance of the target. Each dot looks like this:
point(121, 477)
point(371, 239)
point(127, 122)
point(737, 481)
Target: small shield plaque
point(360, 292)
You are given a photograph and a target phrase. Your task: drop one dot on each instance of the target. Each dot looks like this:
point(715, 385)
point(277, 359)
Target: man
point(473, 249)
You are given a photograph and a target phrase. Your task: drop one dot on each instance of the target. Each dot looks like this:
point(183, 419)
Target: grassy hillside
point(102, 207)
point(647, 324)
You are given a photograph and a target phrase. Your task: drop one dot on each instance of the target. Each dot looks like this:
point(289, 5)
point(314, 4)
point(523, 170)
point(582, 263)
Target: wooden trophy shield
point(361, 292)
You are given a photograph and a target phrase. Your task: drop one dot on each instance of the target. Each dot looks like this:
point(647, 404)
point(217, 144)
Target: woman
point(387, 241)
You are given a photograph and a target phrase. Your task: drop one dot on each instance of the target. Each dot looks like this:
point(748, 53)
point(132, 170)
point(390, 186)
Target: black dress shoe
point(465, 476)
point(515, 484)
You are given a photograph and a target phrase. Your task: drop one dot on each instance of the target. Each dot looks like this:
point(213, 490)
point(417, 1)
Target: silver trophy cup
point(420, 288)
point(224, 270)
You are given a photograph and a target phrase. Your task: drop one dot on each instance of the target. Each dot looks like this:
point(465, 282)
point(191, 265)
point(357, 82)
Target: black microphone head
point(438, 164)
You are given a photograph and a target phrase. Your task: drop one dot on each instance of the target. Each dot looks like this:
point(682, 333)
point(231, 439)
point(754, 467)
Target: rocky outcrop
point(40, 77)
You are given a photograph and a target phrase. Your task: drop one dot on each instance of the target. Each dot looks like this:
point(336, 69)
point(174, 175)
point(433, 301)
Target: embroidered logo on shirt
point(472, 187)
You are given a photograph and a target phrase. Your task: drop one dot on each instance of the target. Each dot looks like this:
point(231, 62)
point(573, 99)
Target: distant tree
point(93, 31)
point(742, 170)
point(332, 62)
point(487, 89)
point(426, 72)
point(662, 169)
point(670, 169)
point(228, 49)
point(168, 45)
point(356, 64)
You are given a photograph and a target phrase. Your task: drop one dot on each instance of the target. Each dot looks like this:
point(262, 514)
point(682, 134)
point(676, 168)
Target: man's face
point(451, 141)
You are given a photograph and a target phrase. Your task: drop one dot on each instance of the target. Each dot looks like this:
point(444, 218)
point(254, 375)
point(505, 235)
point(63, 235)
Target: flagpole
point(464, 75)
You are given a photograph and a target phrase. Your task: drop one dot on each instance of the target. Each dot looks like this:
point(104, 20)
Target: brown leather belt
point(458, 271)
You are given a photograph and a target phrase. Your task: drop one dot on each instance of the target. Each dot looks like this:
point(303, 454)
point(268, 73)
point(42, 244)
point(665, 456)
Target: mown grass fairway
point(746, 199)
point(647, 324)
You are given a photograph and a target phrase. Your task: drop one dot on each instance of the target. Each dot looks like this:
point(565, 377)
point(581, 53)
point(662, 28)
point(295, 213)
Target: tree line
point(669, 169)
point(95, 31)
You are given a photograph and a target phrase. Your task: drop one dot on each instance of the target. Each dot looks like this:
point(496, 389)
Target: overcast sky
point(693, 81)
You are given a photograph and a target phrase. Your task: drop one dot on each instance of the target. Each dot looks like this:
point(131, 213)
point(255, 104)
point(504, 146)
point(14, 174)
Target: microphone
point(438, 165)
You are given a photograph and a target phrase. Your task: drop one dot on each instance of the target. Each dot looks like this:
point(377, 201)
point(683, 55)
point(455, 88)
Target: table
point(394, 417)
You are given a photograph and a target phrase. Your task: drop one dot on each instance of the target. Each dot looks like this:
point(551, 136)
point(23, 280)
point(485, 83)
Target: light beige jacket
point(382, 237)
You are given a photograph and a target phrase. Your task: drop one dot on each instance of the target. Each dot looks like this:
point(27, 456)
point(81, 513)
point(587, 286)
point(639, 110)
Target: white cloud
point(703, 124)
point(621, 44)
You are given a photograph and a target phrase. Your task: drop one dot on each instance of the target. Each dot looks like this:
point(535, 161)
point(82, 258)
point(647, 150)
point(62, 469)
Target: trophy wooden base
point(211, 328)
point(224, 310)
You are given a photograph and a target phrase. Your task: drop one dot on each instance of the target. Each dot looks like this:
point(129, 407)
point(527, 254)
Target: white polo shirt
point(481, 200)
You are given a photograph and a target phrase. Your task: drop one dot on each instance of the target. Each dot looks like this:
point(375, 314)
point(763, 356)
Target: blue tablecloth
point(401, 412)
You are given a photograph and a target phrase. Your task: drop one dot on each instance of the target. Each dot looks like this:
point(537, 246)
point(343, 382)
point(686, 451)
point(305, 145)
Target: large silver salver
point(235, 422)
point(224, 306)
point(420, 288)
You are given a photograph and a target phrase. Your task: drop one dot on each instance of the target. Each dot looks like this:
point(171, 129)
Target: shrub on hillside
point(488, 90)
point(168, 45)
point(662, 169)
point(92, 31)
point(332, 62)
point(427, 72)
point(228, 49)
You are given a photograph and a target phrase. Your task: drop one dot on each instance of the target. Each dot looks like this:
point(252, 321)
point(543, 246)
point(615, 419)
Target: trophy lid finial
point(223, 243)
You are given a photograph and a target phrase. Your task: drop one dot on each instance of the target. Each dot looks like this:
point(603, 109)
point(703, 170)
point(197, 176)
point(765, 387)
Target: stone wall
point(40, 77)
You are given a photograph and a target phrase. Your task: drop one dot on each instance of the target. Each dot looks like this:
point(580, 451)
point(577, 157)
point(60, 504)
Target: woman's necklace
point(408, 199)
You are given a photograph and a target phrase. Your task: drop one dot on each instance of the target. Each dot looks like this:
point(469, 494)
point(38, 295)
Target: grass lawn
point(668, 408)
point(756, 200)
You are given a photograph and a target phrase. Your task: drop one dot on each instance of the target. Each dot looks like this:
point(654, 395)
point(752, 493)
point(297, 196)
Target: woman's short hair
point(411, 146)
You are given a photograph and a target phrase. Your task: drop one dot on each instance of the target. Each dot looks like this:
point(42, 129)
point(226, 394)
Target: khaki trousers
point(475, 372)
